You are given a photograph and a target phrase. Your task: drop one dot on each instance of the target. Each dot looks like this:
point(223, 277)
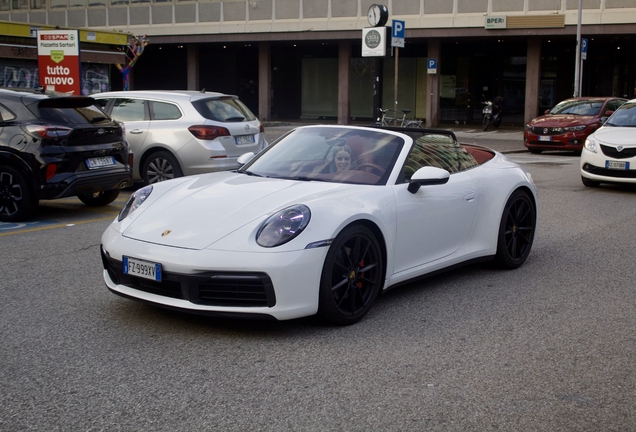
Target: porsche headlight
point(590, 145)
point(135, 200)
point(283, 226)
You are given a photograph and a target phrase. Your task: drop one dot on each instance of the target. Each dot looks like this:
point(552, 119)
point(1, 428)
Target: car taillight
point(50, 171)
point(41, 131)
point(262, 129)
point(208, 132)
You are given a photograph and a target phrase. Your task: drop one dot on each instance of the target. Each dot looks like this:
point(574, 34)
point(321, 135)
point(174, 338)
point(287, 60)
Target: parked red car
point(567, 125)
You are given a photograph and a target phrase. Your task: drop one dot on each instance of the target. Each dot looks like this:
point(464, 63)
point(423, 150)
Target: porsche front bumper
point(279, 285)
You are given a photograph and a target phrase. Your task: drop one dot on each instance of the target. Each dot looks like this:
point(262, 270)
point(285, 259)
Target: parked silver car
point(176, 133)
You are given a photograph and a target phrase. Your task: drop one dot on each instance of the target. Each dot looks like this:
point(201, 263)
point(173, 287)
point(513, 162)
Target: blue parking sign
point(397, 29)
point(397, 33)
point(584, 49)
point(431, 66)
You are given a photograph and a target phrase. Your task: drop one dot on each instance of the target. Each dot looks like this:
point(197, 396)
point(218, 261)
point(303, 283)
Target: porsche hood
point(197, 213)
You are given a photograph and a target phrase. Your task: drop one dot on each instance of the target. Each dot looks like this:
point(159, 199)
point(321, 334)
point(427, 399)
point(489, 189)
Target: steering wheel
point(371, 168)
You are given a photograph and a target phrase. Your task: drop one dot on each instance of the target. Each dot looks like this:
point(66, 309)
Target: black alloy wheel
point(159, 167)
point(351, 276)
point(516, 230)
point(16, 200)
point(99, 199)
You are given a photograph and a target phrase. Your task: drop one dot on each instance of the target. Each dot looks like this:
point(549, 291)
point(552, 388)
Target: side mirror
point(244, 158)
point(427, 176)
point(546, 111)
point(609, 113)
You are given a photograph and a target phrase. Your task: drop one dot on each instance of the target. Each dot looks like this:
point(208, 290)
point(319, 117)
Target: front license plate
point(98, 162)
point(142, 269)
point(545, 138)
point(245, 139)
point(616, 165)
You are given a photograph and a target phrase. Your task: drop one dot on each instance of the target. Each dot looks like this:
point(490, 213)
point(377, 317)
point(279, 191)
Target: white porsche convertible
point(320, 222)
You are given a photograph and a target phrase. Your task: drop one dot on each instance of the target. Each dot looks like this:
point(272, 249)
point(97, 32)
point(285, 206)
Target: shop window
point(20, 4)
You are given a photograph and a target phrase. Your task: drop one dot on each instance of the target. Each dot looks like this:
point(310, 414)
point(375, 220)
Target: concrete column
point(193, 67)
point(344, 62)
point(533, 79)
point(432, 84)
point(264, 81)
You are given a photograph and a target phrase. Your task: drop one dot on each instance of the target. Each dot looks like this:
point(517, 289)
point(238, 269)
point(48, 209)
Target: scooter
point(492, 113)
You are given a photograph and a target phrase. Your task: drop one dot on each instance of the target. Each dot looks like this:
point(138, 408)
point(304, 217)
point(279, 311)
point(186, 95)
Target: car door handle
point(136, 131)
point(470, 196)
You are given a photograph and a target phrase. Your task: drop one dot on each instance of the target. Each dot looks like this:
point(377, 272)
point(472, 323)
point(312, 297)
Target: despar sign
point(59, 60)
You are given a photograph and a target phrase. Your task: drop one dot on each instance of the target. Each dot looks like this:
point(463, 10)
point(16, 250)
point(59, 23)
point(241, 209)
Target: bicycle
point(403, 122)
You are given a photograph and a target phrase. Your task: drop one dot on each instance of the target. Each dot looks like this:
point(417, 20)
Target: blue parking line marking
point(12, 226)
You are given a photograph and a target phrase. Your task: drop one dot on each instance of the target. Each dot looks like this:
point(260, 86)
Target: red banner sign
point(59, 60)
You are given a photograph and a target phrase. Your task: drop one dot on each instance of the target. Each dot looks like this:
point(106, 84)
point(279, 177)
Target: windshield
point(330, 154)
point(624, 116)
point(586, 107)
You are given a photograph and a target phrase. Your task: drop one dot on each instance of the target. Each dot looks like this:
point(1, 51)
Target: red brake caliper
point(362, 275)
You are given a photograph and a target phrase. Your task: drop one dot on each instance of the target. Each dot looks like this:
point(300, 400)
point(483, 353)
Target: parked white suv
point(609, 154)
point(176, 133)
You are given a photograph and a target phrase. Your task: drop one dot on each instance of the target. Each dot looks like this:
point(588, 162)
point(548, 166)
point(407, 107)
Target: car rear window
point(69, 110)
point(227, 109)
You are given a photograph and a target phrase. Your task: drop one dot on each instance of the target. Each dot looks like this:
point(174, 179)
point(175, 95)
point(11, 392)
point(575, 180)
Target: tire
point(99, 199)
point(16, 199)
point(535, 151)
point(590, 183)
point(160, 166)
point(352, 276)
point(486, 123)
point(414, 125)
point(516, 231)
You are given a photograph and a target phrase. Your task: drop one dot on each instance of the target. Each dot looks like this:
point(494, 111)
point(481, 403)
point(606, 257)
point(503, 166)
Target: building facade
point(302, 59)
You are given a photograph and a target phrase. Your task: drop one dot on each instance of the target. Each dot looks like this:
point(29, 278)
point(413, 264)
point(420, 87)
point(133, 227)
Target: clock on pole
point(378, 15)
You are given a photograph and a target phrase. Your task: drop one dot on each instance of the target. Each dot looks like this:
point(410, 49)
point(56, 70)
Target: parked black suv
point(54, 146)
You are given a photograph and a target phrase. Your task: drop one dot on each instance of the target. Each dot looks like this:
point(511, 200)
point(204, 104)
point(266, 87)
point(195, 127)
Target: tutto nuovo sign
point(59, 60)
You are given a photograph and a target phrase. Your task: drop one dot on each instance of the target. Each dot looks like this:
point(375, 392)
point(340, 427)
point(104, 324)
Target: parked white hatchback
point(177, 133)
point(609, 154)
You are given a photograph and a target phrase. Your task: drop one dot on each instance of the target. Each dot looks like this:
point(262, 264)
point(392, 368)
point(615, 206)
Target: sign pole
point(395, 87)
point(577, 65)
